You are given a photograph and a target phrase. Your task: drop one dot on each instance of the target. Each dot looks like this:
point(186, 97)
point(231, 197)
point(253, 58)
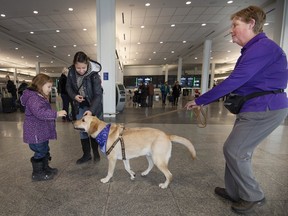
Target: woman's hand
point(191, 105)
point(79, 98)
point(88, 112)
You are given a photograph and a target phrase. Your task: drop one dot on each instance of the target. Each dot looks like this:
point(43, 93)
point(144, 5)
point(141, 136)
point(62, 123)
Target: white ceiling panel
point(157, 18)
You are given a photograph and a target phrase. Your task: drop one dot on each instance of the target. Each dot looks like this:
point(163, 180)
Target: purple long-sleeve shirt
point(39, 124)
point(262, 66)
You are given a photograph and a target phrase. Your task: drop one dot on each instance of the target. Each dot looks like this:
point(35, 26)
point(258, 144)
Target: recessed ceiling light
point(265, 24)
point(161, 42)
point(22, 57)
point(154, 52)
point(37, 56)
point(172, 25)
point(138, 43)
point(57, 30)
point(165, 59)
point(229, 2)
point(16, 48)
point(147, 4)
point(70, 9)
point(54, 46)
point(95, 44)
point(3, 15)
point(172, 51)
point(74, 45)
point(35, 12)
point(203, 24)
point(69, 55)
point(228, 51)
point(84, 29)
point(196, 58)
point(188, 2)
point(51, 62)
point(149, 59)
point(184, 41)
point(142, 26)
point(31, 32)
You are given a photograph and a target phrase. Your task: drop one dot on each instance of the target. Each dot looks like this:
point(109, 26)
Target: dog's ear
point(93, 127)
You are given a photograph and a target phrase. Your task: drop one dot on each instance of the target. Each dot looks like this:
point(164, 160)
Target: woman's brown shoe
point(243, 206)
point(222, 193)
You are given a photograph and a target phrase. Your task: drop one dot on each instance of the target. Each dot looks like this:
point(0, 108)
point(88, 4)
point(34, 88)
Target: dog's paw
point(105, 180)
point(144, 174)
point(132, 175)
point(163, 185)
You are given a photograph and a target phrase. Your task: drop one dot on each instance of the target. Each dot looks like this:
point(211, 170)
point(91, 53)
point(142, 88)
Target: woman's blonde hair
point(249, 13)
point(38, 82)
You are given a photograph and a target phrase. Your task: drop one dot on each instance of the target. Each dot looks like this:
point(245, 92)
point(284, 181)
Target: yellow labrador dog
point(153, 143)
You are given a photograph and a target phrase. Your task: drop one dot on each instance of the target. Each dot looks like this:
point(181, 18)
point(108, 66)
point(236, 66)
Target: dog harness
point(102, 138)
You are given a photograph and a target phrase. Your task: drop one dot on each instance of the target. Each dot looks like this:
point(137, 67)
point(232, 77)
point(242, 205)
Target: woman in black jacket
point(84, 87)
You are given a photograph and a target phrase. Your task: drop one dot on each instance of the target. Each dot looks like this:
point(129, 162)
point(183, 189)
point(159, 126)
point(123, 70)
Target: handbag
point(234, 102)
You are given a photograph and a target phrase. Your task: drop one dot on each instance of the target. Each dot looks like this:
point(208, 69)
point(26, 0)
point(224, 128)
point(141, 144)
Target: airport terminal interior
point(77, 190)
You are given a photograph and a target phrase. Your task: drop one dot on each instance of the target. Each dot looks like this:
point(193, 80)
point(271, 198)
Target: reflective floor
point(77, 189)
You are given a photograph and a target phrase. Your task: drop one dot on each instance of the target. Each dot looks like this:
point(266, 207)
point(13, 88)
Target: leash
point(120, 138)
point(198, 112)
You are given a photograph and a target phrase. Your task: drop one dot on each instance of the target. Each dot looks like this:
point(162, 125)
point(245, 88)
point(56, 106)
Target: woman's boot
point(46, 166)
point(39, 174)
point(86, 151)
point(94, 145)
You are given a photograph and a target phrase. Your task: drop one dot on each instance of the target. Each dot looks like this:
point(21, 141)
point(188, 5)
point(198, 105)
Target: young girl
point(39, 125)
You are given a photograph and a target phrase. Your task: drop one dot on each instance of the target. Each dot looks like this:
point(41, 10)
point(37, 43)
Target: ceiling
point(160, 44)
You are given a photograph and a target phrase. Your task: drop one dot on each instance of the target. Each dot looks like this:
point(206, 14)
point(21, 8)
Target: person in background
point(11, 88)
point(176, 91)
point(142, 89)
point(262, 66)
point(23, 86)
point(165, 90)
point(39, 125)
point(66, 100)
point(150, 91)
point(196, 93)
point(84, 87)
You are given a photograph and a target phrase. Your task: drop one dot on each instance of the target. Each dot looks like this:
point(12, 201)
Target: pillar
point(206, 66)
point(106, 45)
point(179, 70)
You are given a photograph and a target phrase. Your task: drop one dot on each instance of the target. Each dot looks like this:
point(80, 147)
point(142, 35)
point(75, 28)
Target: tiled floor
point(77, 189)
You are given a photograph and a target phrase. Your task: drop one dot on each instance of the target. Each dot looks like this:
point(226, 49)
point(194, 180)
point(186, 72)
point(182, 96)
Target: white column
point(179, 70)
point(212, 75)
point(206, 65)
point(37, 67)
point(166, 73)
point(106, 45)
point(15, 76)
point(284, 30)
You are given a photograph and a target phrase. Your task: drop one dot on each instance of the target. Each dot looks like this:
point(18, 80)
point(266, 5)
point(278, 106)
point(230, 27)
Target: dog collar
point(102, 138)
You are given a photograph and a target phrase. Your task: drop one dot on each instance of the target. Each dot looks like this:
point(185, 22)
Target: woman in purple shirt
point(262, 66)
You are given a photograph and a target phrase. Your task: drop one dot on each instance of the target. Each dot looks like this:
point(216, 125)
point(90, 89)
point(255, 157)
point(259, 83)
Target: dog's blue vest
point(102, 138)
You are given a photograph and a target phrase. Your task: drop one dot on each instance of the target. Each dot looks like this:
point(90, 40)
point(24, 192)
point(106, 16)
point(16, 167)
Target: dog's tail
point(184, 142)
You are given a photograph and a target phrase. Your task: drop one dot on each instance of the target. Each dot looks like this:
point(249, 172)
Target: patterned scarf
point(102, 138)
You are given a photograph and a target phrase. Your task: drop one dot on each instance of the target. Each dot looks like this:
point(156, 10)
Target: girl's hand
point(61, 113)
